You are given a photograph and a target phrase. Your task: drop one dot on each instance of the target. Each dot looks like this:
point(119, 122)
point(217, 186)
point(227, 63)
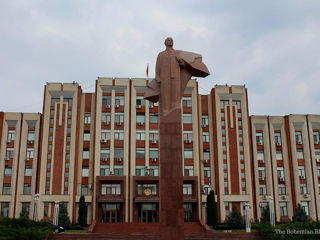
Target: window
point(30, 153)
point(26, 207)
point(140, 153)
point(27, 189)
point(106, 100)
point(303, 188)
point(7, 170)
point(105, 153)
point(260, 155)
point(118, 170)
point(283, 209)
point(106, 118)
point(4, 209)
point(140, 170)
point(87, 118)
point(105, 135)
point(28, 171)
point(154, 135)
point(154, 118)
point(317, 155)
point(207, 171)
point(259, 138)
point(187, 118)
point(154, 171)
point(282, 189)
point(118, 135)
point(143, 187)
point(305, 207)
point(119, 101)
point(9, 153)
point(140, 101)
point(54, 100)
point(111, 189)
point(187, 189)
point(154, 153)
point(11, 135)
point(205, 136)
point(223, 103)
point(30, 136)
point(86, 136)
point(84, 189)
point(6, 189)
point(119, 118)
point(298, 137)
point(86, 154)
point(118, 152)
point(188, 171)
point(152, 104)
point(85, 172)
point(279, 155)
point(261, 173)
point(277, 138)
point(140, 135)
point(300, 153)
point(188, 153)
point(140, 118)
point(237, 103)
point(206, 154)
point(205, 120)
point(302, 172)
point(187, 135)
point(104, 170)
point(316, 137)
point(280, 172)
point(186, 102)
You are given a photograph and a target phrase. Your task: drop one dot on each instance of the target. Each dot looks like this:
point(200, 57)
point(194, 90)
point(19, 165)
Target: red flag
point(147, 71)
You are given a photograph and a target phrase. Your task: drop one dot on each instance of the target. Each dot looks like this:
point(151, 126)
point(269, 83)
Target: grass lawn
point(75, 231)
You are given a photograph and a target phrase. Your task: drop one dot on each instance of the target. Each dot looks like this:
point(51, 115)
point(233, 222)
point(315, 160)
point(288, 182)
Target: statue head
point(168, 42)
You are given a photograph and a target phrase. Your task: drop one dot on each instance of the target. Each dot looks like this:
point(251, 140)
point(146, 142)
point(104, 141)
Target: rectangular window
point(106, 118)
point(187, 118)
point(119, 101)
point(143, 188)
point(302, 172)
point(140, 135)
point(6, 188)
point(86, 136)
point(277, 138)
point(300, 153)
point(84, 189)
point(86, 154)
point(154, 135)
point(119, 118)
point(303, 188)
point(118, 153)
point(187, 189)
point(207, 171)
point(140, 101)
point(140, 170)
point(28, 171)
point(27, 189)
point(87, 118)
point(118, 170)
point(154, 171)
point(280, 172)
point(279, 155)
point(154, 153)
point(9, 153)
point(4, 209)
point(104, 170)
point(316, 137)
point(187, 135)
point(7, 170)
point(317, 155)
point(111, 189)
point(11, 135)
point(206, 154)
point(305, 207)
point(85, 171)
point(283, 209)
point(205, 137)
point(26, 207)
point(186, 101)
point(282, 189)
point(261, 173)
point(260, 155)
point(298, 137)
point(30, 137)
point(30, 153)
point(204, 120)
point(188, 171)
point(105, 135)
point(106, 100)
point(119, 135)
point(223, 103)
point(105, 153)
point(188, 153)
point(140, 118)
point(259, 138)
point(154, 118)
point(140, 153)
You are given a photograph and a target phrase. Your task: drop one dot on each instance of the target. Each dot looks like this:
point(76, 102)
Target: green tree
point(300, 215)
point(235, 219)
point(212, 212)
point(82, 212)
point(24, 212)
point(63, 219)
point(265, 214)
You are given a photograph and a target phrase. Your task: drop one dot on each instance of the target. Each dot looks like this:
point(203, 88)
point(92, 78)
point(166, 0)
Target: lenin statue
point(174, 69)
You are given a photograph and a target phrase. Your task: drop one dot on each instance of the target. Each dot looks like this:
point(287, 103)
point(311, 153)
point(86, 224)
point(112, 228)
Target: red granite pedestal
point(171, 178)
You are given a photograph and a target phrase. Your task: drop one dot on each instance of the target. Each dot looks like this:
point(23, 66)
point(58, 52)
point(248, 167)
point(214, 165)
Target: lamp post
point(272, 218)
point(247, 214)
point(56, 213)
point(35, 207)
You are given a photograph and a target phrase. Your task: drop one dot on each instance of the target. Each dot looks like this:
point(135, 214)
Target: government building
point(105, 146)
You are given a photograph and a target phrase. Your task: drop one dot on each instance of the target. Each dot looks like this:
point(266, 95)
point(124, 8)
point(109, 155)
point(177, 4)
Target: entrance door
point(148, 213)
point(110, 212)
point(187, 212)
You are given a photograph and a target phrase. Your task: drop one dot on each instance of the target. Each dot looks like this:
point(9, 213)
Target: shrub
point(265, 215)
point(82, 212)
point(64, 219)
point(212, 213)
point(300, 215)
point(235, 220)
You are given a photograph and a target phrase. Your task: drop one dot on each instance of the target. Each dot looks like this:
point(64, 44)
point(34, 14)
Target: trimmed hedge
point(23, 228)
point(290, 231)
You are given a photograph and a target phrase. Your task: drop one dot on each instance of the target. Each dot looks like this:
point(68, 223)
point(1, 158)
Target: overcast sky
point(271, 46)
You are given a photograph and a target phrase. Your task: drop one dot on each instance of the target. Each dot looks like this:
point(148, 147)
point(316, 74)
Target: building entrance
point(110, 212)
point(148, 212)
